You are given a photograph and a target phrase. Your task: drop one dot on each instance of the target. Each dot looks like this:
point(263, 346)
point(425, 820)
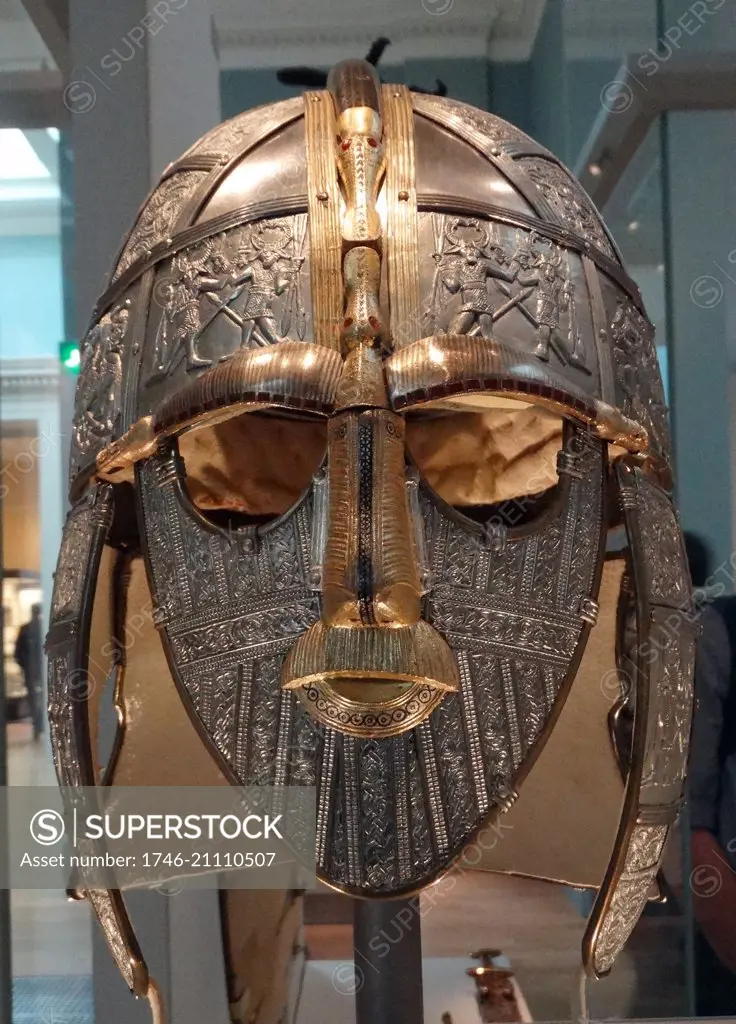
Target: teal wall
point(241, 89)
point(530, 94)
point(466, 80)
point(510, 93)
point(30, 296)
point(556, 100)
point(549, 108)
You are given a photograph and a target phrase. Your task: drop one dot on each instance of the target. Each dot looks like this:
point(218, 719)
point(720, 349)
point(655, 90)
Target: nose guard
point(370, 573)
point(370, 667)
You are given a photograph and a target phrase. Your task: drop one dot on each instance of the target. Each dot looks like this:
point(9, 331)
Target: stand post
point(388, 962)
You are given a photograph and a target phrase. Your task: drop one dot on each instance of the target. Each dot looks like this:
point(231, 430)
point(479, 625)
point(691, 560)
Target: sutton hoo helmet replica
point(367, 393)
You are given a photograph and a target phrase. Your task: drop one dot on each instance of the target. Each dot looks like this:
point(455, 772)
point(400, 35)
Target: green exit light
point(69, 356)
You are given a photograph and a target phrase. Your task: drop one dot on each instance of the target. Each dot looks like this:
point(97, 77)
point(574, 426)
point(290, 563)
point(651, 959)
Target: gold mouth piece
point(368, 681)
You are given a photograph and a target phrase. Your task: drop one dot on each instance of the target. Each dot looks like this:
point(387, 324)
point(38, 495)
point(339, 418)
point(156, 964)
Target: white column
point(144, 86)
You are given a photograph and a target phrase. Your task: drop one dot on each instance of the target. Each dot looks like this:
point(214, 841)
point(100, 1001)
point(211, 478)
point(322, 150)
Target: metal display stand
point(388, 962)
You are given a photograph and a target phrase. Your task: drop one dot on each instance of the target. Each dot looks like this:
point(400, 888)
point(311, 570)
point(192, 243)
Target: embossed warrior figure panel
point(491, 280)
point(100, 384)
point(266, 267)
point(239, 277)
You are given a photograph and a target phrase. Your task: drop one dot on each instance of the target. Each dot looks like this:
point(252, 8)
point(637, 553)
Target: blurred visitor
point(712, 795)
point(29, 655)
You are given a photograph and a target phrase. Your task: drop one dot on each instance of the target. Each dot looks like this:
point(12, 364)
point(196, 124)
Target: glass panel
point(702, 283)
point(634, 215)
point(701, 225)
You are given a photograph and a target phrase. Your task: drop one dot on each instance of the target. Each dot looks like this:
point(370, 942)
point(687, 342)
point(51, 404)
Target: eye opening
point(252, 469)
point(491, 463)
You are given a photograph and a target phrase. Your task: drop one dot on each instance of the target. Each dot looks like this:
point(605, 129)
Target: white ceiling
point(292, 31)
point(271, 33)
point(321, 31)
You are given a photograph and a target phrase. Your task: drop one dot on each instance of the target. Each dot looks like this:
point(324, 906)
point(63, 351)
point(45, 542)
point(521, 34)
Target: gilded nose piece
point(370, 570)
point(371, 666)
